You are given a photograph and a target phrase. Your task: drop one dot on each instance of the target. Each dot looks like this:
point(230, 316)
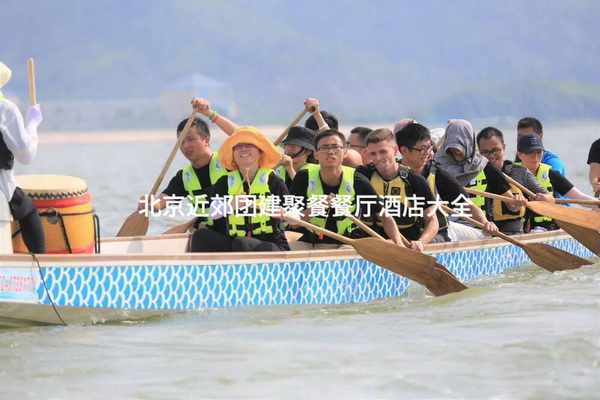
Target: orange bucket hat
point(248, 134)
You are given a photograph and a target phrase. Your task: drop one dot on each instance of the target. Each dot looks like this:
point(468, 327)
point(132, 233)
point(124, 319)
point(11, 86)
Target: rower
point(416, 219)
point(530, 150)
point(416, 146)
point(491, 145)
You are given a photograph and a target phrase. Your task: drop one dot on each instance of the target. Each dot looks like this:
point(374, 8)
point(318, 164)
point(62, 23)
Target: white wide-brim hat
point(5, 74)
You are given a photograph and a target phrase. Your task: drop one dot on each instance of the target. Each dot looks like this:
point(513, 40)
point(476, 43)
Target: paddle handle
point(364, 227)
point(480, 225)
point(440, 142)
point(371, 232)
point(532, 195)
point(182, 135)
point(490, 195)
point(31, 81)
point(316, 228)
point(294, 123)
point(521, 187)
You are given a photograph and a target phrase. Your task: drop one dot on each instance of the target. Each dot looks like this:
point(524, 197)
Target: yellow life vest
point(398, 188)
point(191, 184)
point(315, 188)
point(543, 176)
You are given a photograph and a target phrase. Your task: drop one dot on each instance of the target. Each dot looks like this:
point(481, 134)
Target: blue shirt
point(554, 161)
point(557, 164)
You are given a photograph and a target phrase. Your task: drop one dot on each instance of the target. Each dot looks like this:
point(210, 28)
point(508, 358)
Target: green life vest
point(478, 183)
point(442, 218)
point(315, 188)
point(282, 172)
point(191, 184)
point(543, 176)
point(259, 223)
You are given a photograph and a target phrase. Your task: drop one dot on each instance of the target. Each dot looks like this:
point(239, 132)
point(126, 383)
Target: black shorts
point(21, 205)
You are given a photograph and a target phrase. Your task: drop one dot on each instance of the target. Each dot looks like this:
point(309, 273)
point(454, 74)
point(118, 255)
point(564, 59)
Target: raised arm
point(203, 107)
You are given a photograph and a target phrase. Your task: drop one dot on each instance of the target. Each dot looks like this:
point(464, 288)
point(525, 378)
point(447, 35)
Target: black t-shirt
point(496, 183)
point(560, 184)
point(419, 188)
point(176, 188)
point(276, 187)
point(362, 187)
point(446, 185)
point(594, 155)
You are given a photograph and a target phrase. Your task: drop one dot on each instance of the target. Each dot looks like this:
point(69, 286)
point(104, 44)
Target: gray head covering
point(460, 135)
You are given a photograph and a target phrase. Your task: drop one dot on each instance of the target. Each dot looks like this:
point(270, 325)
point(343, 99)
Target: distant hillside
point(366, 61)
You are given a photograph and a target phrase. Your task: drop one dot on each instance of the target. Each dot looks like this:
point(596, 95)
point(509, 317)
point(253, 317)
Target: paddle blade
point(588, 237)
point(411, 264)
point(183, 228)
point(552, 258)
point(572, 215)
point(443, 281)
point(135, 225)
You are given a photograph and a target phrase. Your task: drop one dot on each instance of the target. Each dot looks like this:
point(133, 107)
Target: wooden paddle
point(548, 257)
point(413, 265)
point(31, 81)
point(137, 223)
point(583, 202)
point(588, 237)
point(406, 242)
point(583, 218)
point(290, 126)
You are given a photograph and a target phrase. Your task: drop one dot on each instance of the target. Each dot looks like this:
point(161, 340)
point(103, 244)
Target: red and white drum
point(64, 205)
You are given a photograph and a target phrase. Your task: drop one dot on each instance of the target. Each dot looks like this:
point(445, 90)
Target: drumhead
point(53, 185)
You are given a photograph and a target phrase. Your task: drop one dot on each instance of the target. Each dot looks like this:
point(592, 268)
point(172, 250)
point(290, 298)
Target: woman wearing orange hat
point(250, 197)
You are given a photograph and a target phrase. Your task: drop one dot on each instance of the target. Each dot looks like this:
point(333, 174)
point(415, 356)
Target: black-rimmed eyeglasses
point(326, 149)
point(495, 152)
point(423, 150)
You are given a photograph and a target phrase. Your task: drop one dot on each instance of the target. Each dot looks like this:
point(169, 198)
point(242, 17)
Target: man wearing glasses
point(404, 190)
point(491, 145)
point(416, 148)
point(329, 191)
point(358, 141)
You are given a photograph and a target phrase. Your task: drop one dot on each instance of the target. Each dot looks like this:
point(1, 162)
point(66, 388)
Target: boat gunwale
point(267, 256)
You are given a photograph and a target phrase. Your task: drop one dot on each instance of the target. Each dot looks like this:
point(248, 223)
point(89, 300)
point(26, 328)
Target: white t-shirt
point(21, 141)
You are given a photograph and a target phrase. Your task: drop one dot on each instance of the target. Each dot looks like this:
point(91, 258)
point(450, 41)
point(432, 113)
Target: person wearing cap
point(416, 147)
point(491, 145)
point(298, 147)
point(329, 191)
point(204, 170)
point(594, 163)
point(459, 156)
point(19, 140)
point(391, 180)
point(533, 125)
point(248, 198)
point(530, 150)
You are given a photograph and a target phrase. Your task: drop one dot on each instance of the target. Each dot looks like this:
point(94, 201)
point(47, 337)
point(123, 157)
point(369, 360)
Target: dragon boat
point(130, 278)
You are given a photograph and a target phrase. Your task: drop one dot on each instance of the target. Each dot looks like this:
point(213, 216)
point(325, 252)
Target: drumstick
point(31, 80)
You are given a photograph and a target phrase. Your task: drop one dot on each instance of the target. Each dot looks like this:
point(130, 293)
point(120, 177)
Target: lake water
point(524, 334)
